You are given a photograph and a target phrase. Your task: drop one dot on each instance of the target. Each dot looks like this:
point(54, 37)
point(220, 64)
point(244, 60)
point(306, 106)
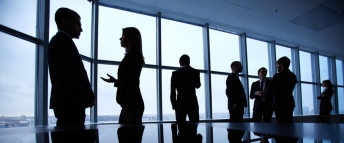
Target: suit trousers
point(181, 114)
point(264, 111)
point(70, 116)
point(136, 116)
point(236, 114)
point(284, 115)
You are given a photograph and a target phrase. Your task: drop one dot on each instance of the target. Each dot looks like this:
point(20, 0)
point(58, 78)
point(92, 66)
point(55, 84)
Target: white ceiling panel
point(269, 6)
point(302, 33)
point(256, 21)
point(311, 38)
point(228, 13)
point(294, 10)
point(319, 1)
point(336, 31)
point(145, 2)
point(284, 29)
point(203, 8)
point(244, 3)
point(173, 5)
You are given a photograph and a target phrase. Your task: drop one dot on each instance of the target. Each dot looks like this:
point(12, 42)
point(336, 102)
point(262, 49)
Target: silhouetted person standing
point(187, 133)
point(325, 101)
point(128, 82)
point(185, 80)
point(235, 93)
point(262, 102)
point(281, 87)
point(71, 91)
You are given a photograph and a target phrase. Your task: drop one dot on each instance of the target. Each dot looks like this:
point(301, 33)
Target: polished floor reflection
point(173, 133)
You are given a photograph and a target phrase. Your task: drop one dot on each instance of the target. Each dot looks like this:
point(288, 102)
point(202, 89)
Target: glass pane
point(306, 66)
point(84, 9)
point(167, 130)
point(340, 99)
point(111, 23)
point(307, 99)
point(51, 116)
point(19, 15)
point(284, 51)
point(148, 89)
point(108, 109)
point(219, 98)
point(17, 82)
point(339, 67)
point(168, 112)
point(251, 101)
point(224, 49)
point(257, 56)
point(324, 73)
point(178, 39)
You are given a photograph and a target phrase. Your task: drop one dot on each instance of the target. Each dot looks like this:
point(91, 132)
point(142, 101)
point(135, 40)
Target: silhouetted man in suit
point(71, 91)
point(235, 93)
point(281, 87)
point(262, 102)
point(185, 80)
point(187, 133)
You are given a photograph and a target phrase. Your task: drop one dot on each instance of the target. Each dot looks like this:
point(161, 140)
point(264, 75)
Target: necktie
point(262, 85)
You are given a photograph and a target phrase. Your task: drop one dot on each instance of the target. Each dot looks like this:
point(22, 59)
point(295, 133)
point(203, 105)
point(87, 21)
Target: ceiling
point(313, 25)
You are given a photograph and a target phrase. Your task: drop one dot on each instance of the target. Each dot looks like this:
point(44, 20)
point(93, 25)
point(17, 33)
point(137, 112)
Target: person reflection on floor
point(130, 134)
point(187, 133)
point(235, 136)
point(83, 136)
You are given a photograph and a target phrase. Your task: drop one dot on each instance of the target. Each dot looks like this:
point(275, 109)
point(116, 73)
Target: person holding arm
point(128, 82)
point(325, 101)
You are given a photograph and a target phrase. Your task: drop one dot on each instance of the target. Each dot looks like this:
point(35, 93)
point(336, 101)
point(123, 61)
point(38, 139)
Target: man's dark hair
point(262, 68)
point(64, 13)
point(235, 63)
point(285, 61)
point(184, 60)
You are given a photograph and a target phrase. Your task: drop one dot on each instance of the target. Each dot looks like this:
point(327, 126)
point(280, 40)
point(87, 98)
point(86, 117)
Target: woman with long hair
point(128, 82)
point(325, 101)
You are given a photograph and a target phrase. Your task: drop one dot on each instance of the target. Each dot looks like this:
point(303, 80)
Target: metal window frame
point(315, 59)
point(243, 57)
point(297, 90)
point(94, 54)
point(41, 73)
point(272, 58)
point(333, 77)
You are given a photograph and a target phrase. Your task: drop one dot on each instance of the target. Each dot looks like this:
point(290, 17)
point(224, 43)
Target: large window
point(111, 23)
point(178, 39)
point(284, 51)
point(19, 15)
point(84, 9)
point(324, 69)
point(257, 56)
point(17, 82)
point(224, 49)
point(168, 112)
point(308, 97)
point(219, 97)
point(339, 67)
point(306, 67)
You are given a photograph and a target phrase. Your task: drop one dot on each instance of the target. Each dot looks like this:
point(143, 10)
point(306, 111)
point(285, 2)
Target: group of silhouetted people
point(71, 91)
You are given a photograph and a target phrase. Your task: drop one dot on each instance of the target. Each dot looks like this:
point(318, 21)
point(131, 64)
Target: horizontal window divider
point(19, 34)
point(106, 62)
point(85, 58)
point(308, 82)
point(176, 68)
point(182, 21)
point(223, 30)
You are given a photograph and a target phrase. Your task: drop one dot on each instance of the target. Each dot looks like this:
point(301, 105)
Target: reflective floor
point(172, 133)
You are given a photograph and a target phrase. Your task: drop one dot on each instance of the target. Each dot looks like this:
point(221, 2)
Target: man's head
point(282, 63)
point(184, 60)
point(262, 73)
point(236, 67)
point(68, 21)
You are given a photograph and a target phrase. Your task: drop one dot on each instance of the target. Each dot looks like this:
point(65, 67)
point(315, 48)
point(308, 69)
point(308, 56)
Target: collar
point(64, 32)
point(183, 66)
point(235, 74)
point(263, 80)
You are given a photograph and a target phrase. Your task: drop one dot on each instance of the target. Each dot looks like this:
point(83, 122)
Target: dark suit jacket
point(70, 87)
point(128, 82)
point(185, 80)
point(235, 92)
point(257, 99)
point(281, 87)
point(325, 102)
